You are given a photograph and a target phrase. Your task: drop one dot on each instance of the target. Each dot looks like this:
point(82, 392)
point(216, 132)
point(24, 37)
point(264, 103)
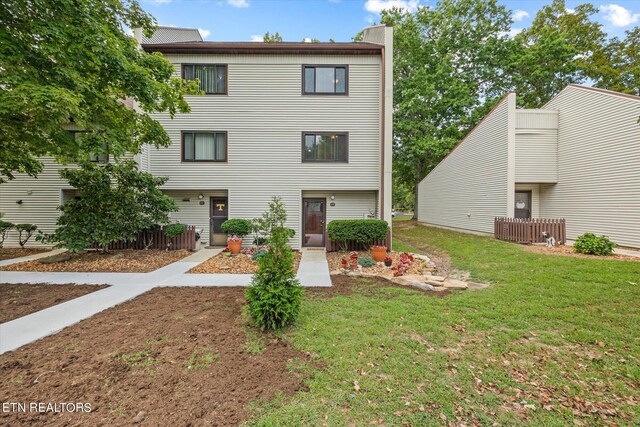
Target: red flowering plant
point(344, 262)
point(353, 263)
point(234, 238)
point(403, 264)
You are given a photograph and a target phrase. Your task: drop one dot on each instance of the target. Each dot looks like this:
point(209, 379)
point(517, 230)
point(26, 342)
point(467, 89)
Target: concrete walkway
point(313, 271)
point(30, 257)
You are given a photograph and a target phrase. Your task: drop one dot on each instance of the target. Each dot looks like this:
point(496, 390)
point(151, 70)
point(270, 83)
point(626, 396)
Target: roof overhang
point(261, 48)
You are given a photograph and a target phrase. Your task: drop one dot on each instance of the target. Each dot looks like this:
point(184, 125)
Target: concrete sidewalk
point(313, 271)
point(24, 330)
point(30, 257)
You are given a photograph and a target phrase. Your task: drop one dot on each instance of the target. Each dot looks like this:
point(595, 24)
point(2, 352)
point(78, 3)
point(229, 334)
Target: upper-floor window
point(93, 157)
point(213, 77)
point(325, 79)
point(204, 146)
point(325, 147)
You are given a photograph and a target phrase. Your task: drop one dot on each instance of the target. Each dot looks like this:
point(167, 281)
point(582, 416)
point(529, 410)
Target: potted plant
point(388, 261)
point(234, 243)
point(378, 252)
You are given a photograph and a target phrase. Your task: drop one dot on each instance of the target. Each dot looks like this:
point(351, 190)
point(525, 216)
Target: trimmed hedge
point(237, 227)
point(359, 230)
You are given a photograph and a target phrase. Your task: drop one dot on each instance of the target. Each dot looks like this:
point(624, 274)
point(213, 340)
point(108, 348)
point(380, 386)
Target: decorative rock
point(56, 258)
point(355, 273)
point(434, 278)
point(474, 285)
point(335, 272)
point(413, 281)
point(422, 257)
point(455, 284)
point(434, 283)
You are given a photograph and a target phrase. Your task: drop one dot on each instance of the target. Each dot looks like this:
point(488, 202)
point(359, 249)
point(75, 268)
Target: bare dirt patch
point(21, 299)
point(180, 356)
point(10, 253)
point(417, 266)
point(235, 264)
point(568, 251)
point(124, 261)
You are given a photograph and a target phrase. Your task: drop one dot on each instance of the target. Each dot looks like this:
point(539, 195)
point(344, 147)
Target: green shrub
point(258, 255)
point(275, 295)
point(589, 243)
point(173, 230)
point(237, 227)
point(366, 261)
point(5, 227)
point(359, 230)
point(27, 230)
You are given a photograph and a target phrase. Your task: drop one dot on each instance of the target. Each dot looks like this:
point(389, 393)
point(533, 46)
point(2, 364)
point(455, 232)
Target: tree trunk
point(415, 199)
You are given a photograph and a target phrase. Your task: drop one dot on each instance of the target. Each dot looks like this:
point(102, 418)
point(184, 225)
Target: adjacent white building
point(576, 158)
point(309, 122)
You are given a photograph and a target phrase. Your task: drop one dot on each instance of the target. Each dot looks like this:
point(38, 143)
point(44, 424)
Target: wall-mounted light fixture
point(200, 196)
point(332, 197)
point(19, 201)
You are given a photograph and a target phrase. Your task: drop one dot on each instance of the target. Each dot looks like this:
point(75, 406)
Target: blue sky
point(244, 20)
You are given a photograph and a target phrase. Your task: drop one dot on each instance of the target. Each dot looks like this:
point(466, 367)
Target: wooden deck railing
point(352, 245)
point(159, 240)
point(529, 230)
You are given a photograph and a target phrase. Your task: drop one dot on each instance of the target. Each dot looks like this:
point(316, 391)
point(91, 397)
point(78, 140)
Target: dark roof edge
point(255, 49)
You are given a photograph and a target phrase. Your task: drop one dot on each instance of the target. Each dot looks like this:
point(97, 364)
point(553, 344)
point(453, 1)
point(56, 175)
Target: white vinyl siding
point(469, 188)
point(265, 115)
point(536, 146)
point(598, 187)
point(347, 204)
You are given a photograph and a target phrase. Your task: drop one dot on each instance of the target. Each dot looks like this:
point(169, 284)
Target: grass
point(554, 341)
point(201, 359)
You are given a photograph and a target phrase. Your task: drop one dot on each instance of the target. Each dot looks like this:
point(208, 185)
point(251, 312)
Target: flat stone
point(455, 284)
point(55, 258)
point(430, 276)
point(434, 283)
point(355, 273)
point(475, 285)
point(422, 257)
point(413, 281)
point(335, 272)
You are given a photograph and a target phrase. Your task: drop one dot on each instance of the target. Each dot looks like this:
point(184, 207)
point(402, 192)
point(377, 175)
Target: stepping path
point(313, 271)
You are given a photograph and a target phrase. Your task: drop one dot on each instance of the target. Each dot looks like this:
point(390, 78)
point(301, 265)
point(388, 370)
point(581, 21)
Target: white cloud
point(570, 11)
point(511, 33)
point(257, 38)
point(519, 15)
point(307, 40)
point(204, 33)
point(377, 6)
point(618, 16)
point(370, 19)
point(238, 3)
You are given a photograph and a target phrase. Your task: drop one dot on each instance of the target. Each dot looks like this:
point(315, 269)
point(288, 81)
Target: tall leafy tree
point(619, 70)
point(560, 47)
point(449, 66)
point(71, 62)
point(116, 202)
point(272, 38)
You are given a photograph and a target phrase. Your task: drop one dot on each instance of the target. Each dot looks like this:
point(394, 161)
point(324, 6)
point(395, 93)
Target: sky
point(295, 20)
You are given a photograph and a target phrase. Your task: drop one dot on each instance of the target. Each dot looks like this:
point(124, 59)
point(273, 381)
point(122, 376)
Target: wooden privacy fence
point(352, 245)
point(529, 230)
point(159, 240)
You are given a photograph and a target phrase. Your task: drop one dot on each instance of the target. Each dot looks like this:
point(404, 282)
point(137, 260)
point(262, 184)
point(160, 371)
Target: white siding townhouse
point(577, 158)
point(309, 122)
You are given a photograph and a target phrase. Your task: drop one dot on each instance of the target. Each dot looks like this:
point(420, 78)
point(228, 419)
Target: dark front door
point(313, 219)
point(219, 213)
point(523, 204)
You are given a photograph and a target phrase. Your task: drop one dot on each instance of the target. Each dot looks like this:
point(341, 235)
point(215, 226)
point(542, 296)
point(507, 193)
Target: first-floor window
point(102, 157)
point(325, 147)
point(204, 146)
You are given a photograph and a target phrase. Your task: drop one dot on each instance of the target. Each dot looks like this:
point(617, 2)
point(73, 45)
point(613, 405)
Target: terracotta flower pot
point(235, 247)
point(379, 253)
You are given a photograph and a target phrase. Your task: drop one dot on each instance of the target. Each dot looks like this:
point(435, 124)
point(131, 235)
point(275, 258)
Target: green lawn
point(554, 341)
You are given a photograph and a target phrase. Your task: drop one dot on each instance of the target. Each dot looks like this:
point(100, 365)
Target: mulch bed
point(174, 356)
point(10, 253)
point(235, 264)
point(124, 261)
point(21, 299)
point(568, 251)
point(335, 263)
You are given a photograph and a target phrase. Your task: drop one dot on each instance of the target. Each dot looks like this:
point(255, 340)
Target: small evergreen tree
point(275, 295)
